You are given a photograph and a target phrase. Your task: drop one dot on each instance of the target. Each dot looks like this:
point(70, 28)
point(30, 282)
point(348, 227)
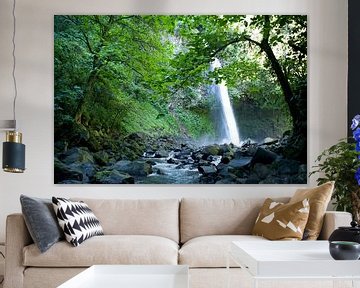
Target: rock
point(63, 172)
point(215, 160)
point(238, 154)
point(79, 135)
point(137, 136)
point(288, 167)
point(151, 162)
point(296, 148)
point(225, 159)
point(211, 150)
point(204, 162)
point(183, 154)
point(301, 178)
point(223, 170)
point(197, 155)
point(210, 179)
point(113, 177)
point(227, 181)
point(94, 143)
point(243, 162)
point(161, 154)
point(172, 161)
point(206, 170)
point(87, 169)
point(264, 156)
point(159, 171)
point(134, 168)
point(70, 182)
point(101, 158)
point(60, 146)
point(238, 172)
point(252, 179)
point(180, 166)
point(276, 179)
point(225, 149)
point(262, 170)
point(77, 155)
point(302, 169)
point(269, 140)
point(149, 154)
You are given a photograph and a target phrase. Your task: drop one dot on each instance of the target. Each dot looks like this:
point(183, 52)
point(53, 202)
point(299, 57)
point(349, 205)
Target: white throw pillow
point(76, 220)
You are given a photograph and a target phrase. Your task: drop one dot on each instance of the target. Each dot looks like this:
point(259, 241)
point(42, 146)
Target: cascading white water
point(231, 133)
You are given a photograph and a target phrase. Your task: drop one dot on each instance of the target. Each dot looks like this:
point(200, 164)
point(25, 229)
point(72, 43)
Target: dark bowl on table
point(344, 250)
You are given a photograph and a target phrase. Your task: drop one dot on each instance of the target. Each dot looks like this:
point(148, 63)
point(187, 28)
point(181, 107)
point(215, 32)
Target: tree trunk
point(284, 83)
point(297, 144)
point(88, 94)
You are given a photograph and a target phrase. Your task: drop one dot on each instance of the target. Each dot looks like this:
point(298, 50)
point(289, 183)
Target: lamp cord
point(14, 60)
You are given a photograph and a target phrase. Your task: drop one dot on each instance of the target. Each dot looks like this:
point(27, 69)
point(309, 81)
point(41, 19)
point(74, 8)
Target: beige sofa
point(194, 232)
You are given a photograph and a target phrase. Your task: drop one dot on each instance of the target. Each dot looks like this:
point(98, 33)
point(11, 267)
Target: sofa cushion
point(319, 198)
point(158, 217)
point(107, 249)
point(201, 217)
point(41, 221)
point(211, 251)
point(77, 220)
point(279, 221)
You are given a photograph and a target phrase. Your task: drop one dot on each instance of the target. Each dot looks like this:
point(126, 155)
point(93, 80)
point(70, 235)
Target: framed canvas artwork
point(180, 99)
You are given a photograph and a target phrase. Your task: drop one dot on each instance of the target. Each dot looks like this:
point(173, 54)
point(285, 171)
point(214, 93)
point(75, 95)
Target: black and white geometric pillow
point(77, 220)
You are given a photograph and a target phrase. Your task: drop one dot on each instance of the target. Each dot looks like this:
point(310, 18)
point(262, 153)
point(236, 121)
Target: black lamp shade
point(13, 157)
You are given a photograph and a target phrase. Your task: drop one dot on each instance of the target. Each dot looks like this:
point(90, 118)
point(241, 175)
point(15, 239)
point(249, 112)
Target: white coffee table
point(131, 276)
point(293, 260)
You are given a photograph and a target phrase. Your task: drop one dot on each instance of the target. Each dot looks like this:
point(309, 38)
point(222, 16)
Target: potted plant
point(341, 163)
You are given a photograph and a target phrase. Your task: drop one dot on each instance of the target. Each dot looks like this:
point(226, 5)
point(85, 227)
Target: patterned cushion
point(319, 198)
point(77, 220)
point(279, 221)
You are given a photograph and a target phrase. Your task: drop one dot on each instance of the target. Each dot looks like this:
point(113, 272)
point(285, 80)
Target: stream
point(168, 173)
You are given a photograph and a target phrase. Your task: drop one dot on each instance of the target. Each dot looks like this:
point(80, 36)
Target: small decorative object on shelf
point(344, 250)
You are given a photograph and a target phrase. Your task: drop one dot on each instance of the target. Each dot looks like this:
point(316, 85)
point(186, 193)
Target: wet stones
point(166, 159)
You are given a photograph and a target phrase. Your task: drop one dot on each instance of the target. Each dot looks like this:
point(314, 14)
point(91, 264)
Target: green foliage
point(258, 122)
point(339, 163)
point(197, 123)
point(144, 117)
point(119, 74)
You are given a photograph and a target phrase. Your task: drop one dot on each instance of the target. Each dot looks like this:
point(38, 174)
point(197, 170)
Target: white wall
point(327, 89)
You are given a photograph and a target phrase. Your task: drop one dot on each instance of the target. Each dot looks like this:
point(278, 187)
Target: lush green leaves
point(128, 73)
point(339, 163)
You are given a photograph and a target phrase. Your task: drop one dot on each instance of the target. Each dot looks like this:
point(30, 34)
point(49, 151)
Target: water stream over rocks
point(181, 163)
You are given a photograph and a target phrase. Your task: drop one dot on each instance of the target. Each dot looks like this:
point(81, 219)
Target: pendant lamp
point(13, 149)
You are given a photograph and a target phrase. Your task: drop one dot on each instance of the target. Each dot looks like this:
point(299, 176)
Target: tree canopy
point(116, 75)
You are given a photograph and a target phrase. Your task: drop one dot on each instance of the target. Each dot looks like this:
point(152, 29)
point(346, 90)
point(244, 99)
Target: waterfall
point(228, 124)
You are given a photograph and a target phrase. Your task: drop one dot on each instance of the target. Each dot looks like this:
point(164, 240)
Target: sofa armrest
point(17, 237)
point(333, 220)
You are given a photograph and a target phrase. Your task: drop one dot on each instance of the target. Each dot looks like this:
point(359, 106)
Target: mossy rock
point(113, 177)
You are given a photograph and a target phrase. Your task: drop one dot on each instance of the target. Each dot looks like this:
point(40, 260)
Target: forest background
point(124, 83)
